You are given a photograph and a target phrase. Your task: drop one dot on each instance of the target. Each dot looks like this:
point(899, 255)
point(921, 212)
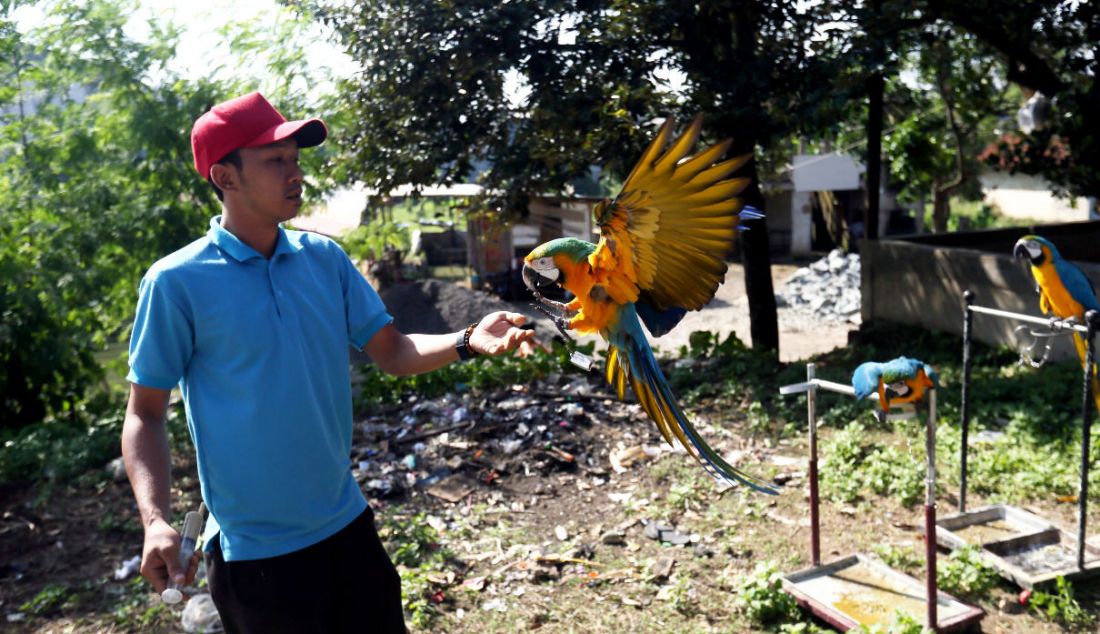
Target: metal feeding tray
point(861, 591)
point(1022, 546)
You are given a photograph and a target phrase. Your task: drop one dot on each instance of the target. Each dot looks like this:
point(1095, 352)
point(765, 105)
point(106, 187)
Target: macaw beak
point(896, 390)
point(538, 279)
point(1028, 250)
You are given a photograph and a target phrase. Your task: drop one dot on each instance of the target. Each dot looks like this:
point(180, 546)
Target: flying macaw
point(902, 380)
point(1064, 291)
point(663, 242)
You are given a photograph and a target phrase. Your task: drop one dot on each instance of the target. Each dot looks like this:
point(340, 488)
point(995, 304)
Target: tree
point(97, 183)
point(94, 183)
point(941, 120)
point(432, 101)
point(1046, 46)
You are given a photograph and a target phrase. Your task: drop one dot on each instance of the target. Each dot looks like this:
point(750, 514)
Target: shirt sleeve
point(162, 340)
point(365, 311)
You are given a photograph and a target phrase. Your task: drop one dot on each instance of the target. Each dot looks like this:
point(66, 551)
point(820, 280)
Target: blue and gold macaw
point(663, 242)
point(1064, 291)
point(902, 380)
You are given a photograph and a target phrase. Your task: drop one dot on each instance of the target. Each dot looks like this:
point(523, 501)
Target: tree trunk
point(755, 249)
point(941, 208)
point(875, 87)
point(719, 44)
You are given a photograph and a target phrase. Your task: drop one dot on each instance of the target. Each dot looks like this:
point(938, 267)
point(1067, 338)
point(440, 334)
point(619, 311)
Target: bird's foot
point(550, 304)
point(558, 313)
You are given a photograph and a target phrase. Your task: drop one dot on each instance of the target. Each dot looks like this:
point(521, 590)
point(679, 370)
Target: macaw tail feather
point(1079, 343)
point(656, 398)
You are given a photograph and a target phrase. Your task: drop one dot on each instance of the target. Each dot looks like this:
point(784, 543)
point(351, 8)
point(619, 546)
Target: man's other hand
point(160, 559)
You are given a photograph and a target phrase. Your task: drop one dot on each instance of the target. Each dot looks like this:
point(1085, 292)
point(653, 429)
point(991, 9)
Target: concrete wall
point(909, 282)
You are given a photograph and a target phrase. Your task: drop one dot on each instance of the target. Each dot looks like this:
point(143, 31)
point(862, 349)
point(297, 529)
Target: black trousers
point(345, 583)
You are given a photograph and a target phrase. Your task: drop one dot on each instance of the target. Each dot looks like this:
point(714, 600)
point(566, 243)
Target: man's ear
point(224, 176)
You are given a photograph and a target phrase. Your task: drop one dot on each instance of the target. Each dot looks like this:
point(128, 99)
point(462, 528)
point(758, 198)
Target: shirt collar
point(240, 251)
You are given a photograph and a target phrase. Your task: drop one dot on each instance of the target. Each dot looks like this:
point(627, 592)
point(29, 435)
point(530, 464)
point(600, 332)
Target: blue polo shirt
point(259, 348)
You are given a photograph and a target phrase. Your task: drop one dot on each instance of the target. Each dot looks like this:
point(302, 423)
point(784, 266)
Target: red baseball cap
point(248, 121)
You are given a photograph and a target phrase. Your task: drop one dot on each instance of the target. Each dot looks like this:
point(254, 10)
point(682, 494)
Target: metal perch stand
point(810, 388)
point(1088, 329)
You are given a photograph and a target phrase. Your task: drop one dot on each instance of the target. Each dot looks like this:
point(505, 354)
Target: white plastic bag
point(200, 616)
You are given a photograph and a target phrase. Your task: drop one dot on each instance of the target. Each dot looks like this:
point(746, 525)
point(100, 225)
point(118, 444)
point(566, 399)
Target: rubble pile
point(828, 289)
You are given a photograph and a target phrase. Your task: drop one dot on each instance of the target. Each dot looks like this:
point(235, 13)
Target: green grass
point(967, 215)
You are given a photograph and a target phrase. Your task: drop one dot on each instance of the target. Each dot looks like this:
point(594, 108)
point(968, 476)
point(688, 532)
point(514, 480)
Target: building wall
point(1030, 197)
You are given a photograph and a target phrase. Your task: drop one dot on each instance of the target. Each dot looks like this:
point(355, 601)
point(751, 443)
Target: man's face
point(270, 181)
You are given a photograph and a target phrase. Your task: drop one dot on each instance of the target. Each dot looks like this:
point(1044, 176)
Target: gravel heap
point(828, 289)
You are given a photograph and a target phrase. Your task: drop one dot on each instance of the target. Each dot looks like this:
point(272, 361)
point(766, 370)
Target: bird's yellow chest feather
point(598, 295)
point(1054, 294)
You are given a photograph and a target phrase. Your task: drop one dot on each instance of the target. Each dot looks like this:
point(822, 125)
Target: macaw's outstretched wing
point(630, 360)
point(666, 235)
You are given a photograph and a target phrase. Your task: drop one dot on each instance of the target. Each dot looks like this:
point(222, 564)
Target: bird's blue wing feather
point(658, 321)
point(1077, 284)
point(865, 379)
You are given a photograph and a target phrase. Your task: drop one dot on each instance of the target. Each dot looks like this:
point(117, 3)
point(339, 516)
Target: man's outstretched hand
point(501, 332)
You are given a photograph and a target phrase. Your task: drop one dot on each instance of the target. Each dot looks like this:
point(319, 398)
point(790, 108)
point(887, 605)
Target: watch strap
point(462, 343)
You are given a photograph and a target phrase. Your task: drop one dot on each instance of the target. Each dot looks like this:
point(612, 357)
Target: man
point(253, 323)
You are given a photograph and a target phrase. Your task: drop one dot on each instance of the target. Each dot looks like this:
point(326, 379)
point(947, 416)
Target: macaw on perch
point(1064, 291)
point(662, 248)
point(902, 380)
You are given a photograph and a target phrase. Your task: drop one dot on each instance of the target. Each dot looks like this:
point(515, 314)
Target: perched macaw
point(663, 242)
point(902, 380)
point(1064, 291)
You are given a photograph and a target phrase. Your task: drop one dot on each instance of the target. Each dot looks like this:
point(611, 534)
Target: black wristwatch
point(462, 344)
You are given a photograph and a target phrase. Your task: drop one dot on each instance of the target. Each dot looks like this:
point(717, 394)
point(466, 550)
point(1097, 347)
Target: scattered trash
point(200, 616)
point(434, 477)
point(986, 436)
point(16, 617)
point(703, 551)
point(477, 584)
point(613, 538)
point(561, 533)
point(789, 477)
point(452, 489)
point(498, 605)
point(128, 568)
point(571, 410)
point(665, 533)
point(117, 469)
point(623, 458)
point(661, 569)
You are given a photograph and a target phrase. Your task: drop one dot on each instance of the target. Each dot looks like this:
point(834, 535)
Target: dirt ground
point(800, 335)
point(549, 536)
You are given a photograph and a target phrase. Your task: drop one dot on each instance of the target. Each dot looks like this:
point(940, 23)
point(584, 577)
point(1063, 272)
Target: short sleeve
point(365, 311)
point(162, 340)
